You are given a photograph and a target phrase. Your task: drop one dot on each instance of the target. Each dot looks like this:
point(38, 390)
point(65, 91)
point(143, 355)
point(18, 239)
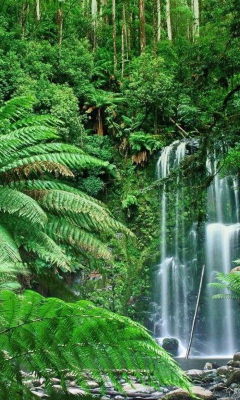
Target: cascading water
point(178, 275)
point(222, 245)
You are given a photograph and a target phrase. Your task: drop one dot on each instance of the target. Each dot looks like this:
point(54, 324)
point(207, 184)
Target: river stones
point(224, 370)
point(180, 394)
point(194, 373)
point(137, 388)
point(236, 357)
point(234, 377)
point(40, 394)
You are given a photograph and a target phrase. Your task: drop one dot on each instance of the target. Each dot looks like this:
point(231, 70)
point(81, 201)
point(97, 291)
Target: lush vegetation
point(90, 92)
point(57, 339)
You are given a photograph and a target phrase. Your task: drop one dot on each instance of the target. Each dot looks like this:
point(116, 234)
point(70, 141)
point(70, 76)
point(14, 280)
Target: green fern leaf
point(15, 108)
point(68, 204)
point(8, 249)
point(65, 232)
point(36, 168)
point(55, 338)
point(72, 160)
point(17, 203)
point(26, 235)
point(55, 184)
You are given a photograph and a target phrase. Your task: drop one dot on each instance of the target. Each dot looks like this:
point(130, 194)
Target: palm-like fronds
point(64, 231)
point(55, 338)
point(8, 248)
point(37, 211)
point(8, 273)
point(230, 282)
point(14, 202)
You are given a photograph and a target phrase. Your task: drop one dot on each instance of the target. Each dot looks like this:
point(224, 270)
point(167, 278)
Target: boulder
point(180, 394)
point(194, 373)
point(236, 269)
point(236, 356)
point(224, 370)
point(137, 388)
point(171, 346)
point(40, 394)
point(234, 377)
point(92, 384)
point(76, 391)
point(234, 364)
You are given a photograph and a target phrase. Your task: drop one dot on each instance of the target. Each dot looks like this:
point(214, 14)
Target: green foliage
point(35, 209)
point(227, 282)
point(129, 200)
point(56, 339)
point(140, 141)
point(93, 185)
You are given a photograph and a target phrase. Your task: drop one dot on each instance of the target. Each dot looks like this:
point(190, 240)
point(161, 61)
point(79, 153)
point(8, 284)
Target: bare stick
point(195, 314)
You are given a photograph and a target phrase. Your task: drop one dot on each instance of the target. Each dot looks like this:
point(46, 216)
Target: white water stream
point(178, 274)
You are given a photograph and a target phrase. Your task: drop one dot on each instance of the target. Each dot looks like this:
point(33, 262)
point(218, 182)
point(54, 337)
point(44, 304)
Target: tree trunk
point(94, 12)
point(114, 35)
point(60, 26)
point(156, 24)
point(124, 38)
point(38, 15)
point(159, 20)
point(169, 24)
point(24, 15)
point(195, 9)
point(142, 24)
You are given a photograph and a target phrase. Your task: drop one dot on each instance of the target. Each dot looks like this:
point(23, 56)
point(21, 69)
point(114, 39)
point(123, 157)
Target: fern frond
point(23, 138)
point(55, 338)
point(71, 160)
point(37, 184)
point(8, 249)
point(31, 238)
point(65, 232)
point(48, 250)
point(47, 148)
point(19, 204)
point(15, 108)
point(230, 282)
point(65, 203)
point(8, 275)
point(37, 168)
point(225, 296)
point(47, 120)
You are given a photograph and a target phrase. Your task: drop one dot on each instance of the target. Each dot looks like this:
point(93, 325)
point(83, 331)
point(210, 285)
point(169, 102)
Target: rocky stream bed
point(211, 383)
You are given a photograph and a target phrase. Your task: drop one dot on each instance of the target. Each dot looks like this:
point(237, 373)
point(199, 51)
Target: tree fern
point(54, 339)
point(31, 158)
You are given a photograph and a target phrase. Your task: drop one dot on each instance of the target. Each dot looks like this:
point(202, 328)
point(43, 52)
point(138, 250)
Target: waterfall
point(178, 275)
point(222, 245)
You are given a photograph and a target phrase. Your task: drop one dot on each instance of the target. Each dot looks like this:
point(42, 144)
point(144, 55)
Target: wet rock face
point(171, 345)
